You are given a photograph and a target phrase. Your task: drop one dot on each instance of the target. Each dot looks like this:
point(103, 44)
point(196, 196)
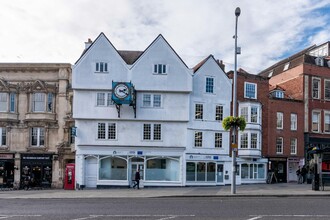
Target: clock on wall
point(121, 91)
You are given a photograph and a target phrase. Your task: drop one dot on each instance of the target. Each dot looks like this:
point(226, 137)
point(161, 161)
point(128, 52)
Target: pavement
point(250, 190)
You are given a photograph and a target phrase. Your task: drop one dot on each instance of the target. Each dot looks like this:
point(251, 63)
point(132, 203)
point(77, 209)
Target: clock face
point(121, 91)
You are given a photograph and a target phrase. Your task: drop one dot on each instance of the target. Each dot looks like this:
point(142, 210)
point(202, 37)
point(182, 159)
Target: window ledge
point(40, 116)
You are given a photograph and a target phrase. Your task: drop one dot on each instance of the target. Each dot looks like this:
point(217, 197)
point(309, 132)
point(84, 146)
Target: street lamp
point(234, 130)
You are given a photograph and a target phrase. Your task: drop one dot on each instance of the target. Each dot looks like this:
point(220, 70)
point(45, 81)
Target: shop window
point(201, 170)
point(162, 169)
point(113, 168)
point(190, 171)
point(210, 172)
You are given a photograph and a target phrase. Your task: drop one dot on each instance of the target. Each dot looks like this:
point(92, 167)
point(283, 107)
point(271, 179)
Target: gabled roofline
point(200, 64)
point(90, 46)
point(159, 36)
point(300, 53)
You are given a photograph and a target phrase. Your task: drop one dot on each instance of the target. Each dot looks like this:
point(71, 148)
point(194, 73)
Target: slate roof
point(130, 56)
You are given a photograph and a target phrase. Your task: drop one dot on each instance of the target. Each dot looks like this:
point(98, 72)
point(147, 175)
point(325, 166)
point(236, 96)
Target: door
point(293, 167)
point(91, 172)
point(134, 167)
point(220, 173)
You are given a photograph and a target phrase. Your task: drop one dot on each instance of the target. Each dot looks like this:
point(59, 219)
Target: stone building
point(35, 123)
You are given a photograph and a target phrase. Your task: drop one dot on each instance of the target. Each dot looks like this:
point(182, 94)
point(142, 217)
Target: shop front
point(278, 165)
point(204, 170)
point(119, 166)
point(7, 168)
point(37, 169)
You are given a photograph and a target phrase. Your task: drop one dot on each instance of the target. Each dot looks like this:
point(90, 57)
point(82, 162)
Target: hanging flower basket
point(231, 121)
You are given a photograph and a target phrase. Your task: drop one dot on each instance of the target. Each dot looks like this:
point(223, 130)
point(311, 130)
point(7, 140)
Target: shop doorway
point(91, 172)
point(293, 167)
point(219, 173)
point(134, 167)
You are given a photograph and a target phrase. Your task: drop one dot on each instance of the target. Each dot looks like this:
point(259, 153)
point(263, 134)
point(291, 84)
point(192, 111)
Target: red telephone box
point(69, 179)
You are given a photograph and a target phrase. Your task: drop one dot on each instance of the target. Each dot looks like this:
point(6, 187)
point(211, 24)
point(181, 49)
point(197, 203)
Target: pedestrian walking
point(299, 176)
point(137, 179)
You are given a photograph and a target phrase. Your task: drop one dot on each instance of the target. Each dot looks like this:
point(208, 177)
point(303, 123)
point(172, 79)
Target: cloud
point(54, 31)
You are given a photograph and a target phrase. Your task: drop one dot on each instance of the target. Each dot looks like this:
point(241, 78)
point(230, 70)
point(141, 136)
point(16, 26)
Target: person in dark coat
point(137, 179)
point(304, 174)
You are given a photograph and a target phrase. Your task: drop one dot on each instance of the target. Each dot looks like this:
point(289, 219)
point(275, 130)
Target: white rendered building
point(207, 160)
point(131, 110)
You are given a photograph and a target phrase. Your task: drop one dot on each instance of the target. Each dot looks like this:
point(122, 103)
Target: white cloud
point(54, 31)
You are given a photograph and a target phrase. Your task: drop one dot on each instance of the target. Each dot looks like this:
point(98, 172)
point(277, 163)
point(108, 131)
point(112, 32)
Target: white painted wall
point(221, 96)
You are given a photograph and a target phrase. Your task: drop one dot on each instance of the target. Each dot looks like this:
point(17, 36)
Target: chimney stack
point(221, 64)
point(88, 43)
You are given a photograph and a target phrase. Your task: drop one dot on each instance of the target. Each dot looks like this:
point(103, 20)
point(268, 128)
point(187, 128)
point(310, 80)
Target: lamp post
point(234, 130)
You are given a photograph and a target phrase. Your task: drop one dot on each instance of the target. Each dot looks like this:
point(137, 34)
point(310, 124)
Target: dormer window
point(286, 66)
point(270, 74)
point(160, 69)
point(278, 94)
point(101, 67)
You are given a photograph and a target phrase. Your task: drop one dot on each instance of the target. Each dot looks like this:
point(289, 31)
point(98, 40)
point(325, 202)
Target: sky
point(51, 31)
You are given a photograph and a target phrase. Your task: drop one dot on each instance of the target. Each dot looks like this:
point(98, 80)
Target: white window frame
point(150, 101)
point(316, 91)
point(279, 120)
point(218, 137)
point(4, 101)
point(279, 145)
point(160, 69)
point(219, 112)
point(246, 85)
point(326, 123)
point(106, 99)
point(45, 104)
point(107, 132)
point(245, 111)
point(317, 120)
point(155, 133)
point(208, 86)
point(40, 135)
point(248, 142)
point(198, 139)
point(294, 121)
point(199, 111)
point(104, 69)
point(286, 66)
point(293, 146)
point(3, 136)
point(327, 89)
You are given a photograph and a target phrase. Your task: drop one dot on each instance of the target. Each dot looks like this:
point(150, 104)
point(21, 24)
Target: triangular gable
point(87, 50)
point(159, 37)
point(203, 62)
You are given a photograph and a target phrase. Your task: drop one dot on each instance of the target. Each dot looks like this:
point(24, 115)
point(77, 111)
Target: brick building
point(305, 76)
